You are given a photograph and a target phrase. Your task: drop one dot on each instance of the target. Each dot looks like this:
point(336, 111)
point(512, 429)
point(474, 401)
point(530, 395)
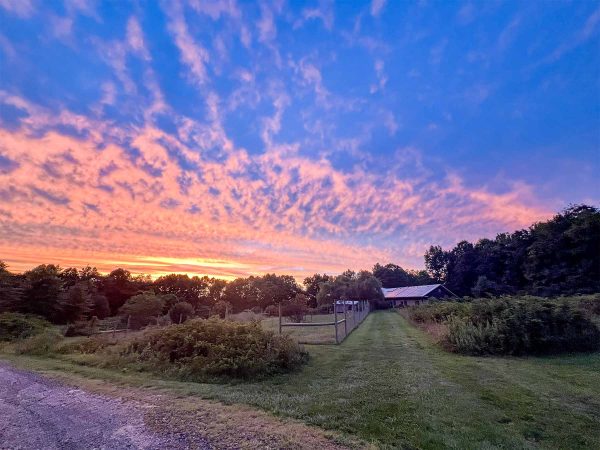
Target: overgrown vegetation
point(201, 350)
point(514, 325)
point(15, 326)
point(197, 350)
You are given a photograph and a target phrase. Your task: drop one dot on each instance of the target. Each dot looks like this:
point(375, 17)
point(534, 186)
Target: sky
point(229, 138)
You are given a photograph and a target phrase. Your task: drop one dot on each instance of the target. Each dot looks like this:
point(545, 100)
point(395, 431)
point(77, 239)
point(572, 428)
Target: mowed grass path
point(389, 385)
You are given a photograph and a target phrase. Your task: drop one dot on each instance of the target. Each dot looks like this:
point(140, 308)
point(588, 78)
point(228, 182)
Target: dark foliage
point(557, 257)
point(392, 275)
point(180, 312)
point(20, 326)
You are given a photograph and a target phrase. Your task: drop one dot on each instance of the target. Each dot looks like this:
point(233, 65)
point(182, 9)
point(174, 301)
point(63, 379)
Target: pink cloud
point(244, 214)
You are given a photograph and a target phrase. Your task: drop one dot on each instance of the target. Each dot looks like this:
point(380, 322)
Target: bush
point(180, 312)
point(203, 350)
point(142, 309)
point(520, 327)
point(40, 344)
point(272, 311)
point(82, 327)
point(221, 308)
point(15, 326)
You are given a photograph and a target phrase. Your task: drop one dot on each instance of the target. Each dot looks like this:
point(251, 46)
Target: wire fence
point(347, 315)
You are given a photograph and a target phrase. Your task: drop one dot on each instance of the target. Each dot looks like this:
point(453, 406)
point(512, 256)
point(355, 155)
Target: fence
point(343, 323)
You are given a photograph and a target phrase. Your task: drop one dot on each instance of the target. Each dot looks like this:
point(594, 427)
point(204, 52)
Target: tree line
point(559, 256)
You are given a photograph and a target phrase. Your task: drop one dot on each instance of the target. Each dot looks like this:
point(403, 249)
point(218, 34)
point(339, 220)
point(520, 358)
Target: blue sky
point(367, 129)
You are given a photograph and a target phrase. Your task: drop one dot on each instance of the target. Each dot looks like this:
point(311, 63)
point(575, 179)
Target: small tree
point(180, 312)
point(75, 303)
point(220, 309)
point(142, 309)
point(297, 308)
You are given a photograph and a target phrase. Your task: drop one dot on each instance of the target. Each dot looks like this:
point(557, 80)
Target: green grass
point(313, 335)
point(390, 385)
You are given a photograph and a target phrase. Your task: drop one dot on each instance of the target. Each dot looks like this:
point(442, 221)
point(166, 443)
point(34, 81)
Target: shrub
point(20, 326)
point(40, 344)
point(520, 327)
point(142, 309)
point(180, 312)
point(202, 350)
point(221, 308)
point(272, 310)
point(82, 327)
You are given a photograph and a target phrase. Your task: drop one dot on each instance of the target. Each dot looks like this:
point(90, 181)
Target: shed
point(415, 295)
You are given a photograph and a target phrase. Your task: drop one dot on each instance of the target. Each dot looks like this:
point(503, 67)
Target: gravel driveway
point(39, 413)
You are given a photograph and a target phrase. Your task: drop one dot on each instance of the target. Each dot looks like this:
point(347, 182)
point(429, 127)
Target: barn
point(415, 295)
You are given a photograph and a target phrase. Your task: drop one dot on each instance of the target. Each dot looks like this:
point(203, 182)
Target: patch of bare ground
point(198, 424)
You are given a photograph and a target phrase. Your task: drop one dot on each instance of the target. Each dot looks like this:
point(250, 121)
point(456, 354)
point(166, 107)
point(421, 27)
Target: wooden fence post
point(345, 321)
point(335, 321)
point(128, 323)
point(279, 318)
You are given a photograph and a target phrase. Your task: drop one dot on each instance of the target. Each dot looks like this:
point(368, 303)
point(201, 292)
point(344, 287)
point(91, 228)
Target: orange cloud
point(86, 199)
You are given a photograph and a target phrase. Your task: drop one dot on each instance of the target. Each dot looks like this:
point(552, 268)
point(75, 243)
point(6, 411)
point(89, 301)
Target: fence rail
point(353, 314)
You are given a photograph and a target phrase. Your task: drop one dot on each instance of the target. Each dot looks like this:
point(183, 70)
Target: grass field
point(387, 384)
point(317, 335)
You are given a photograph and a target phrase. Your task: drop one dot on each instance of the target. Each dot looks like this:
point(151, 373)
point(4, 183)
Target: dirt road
point(37, 412)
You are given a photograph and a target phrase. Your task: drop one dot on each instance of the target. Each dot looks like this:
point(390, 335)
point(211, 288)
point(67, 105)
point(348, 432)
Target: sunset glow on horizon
point(231, 139)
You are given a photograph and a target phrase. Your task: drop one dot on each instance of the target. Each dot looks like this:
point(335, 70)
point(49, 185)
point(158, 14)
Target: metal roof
point(409, 291)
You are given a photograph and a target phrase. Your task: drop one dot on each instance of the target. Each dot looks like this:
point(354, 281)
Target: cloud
point(588, 30)
point(323, 12)
point(135, 38)
point(376, 7)
point(193, 54)
point(21, 8)
point(275, 211)
point(381, 77)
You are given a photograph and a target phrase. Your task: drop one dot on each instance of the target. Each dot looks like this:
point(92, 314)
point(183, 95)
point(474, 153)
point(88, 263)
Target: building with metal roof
point(415, 295)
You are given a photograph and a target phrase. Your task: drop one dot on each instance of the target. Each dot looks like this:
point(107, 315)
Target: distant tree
point(486, 288)
point(297, 308)
point(75, 303)
point(69, 276)
point(221, 308)
point(118, 287)
point(180, 312)
point(42, 292)
point(142, 309)
point(436, 262)
point(351, 286)
point(216, 287)
point(193, 290)
point(11, 290)
point(99, 305)
point(273, 289)
point(391, 275)
point(558, 256)
point(564, 256)
point(312, 285)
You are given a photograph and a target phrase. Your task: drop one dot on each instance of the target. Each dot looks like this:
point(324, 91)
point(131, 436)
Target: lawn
point(389, 385)
point(309, 335)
